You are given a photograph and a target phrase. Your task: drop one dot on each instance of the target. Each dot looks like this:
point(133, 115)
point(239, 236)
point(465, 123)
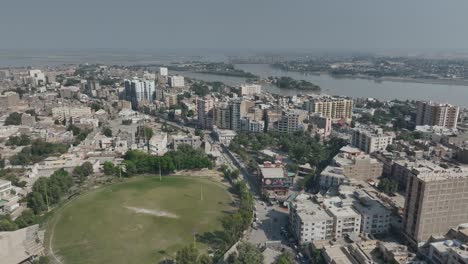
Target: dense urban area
point(98, 162)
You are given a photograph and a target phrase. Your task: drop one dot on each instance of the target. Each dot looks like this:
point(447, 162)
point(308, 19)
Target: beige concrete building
point(436, 114)
point(336, 108)
point(9, 99)
point(249, 89)
point(370, 138)
point(436, 201)
point(291, 121)
point(68, 111)
point(360, 167)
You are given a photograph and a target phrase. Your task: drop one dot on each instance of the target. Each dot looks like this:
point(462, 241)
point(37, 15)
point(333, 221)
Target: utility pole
point(47, 197)
point(160, 177)
point(201, 192)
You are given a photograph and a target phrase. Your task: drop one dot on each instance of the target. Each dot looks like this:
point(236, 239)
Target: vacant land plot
point(143, 220)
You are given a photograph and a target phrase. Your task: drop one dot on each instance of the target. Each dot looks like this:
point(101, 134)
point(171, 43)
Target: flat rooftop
point(272, 172)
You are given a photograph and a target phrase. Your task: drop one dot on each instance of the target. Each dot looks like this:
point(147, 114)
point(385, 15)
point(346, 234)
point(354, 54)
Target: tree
point(14, 119)
point(235, 174)
point(109, 168)
point(199, 133)
point(285, 258)
point(144, 133)
point(87, 168)
point(2, 162)
point(26, 218)
point(205, 259)
point(107, 132)
point(247, 253)
point(187, 255)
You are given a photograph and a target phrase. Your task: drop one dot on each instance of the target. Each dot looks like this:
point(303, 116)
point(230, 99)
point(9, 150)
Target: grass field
point(139, 221)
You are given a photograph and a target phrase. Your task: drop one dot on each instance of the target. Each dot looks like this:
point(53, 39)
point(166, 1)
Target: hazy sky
point(245, 24)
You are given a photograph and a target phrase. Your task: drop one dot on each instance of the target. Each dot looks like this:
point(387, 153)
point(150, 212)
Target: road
point(269, 219)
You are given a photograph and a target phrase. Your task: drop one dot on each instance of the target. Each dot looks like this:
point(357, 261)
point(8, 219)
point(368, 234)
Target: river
point(385, 90)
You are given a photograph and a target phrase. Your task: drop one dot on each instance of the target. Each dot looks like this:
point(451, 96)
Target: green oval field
point(141, 221)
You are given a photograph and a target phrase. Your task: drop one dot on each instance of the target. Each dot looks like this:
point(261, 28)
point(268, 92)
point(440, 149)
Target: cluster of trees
point(22, 140)
point(388, 186)
point(409, 136)
point(247, 253)
point(78, 133)
point(138, 162)
point(14, 119)
point(83, 171)
point(190, 255)
point(200, 89)
point(290, 83)
point(301, 148)
point(285, 258)
point(228, 173)
point(26, 219)
point(397, 115)
point(234, 224)
point(48, 192)
point(38, 151)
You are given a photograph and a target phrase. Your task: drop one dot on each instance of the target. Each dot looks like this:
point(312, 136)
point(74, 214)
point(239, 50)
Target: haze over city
point(359, 25)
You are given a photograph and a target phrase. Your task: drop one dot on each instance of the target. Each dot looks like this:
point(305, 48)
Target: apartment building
point(360, 167)
point(139, 90)
point(193, 141)
point(291, 121)
point(350, 163)
point(176, 81)
point(435, 202)
point(336, 108)
point(436, 114)
point(5, 188)
point(205, 107)
point(346, 220)
point(402, 169)
point(309, 221)
point(222, 116)
point(375, 217)
point(371, 138)
point(249, 89)
point(66, 112)
point(448, 252)
point(320, 125)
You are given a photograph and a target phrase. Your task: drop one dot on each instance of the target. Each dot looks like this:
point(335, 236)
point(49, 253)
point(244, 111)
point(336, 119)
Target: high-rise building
point(249, 89)
point(370, 138)
point(176, 81)
point(336, 108)
point(163, 71)
point(291, 121)
point(436, 114)
point(237, 111)
point(222, 116)
point(436, 201)
point(205, 112)
point(137, 91)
